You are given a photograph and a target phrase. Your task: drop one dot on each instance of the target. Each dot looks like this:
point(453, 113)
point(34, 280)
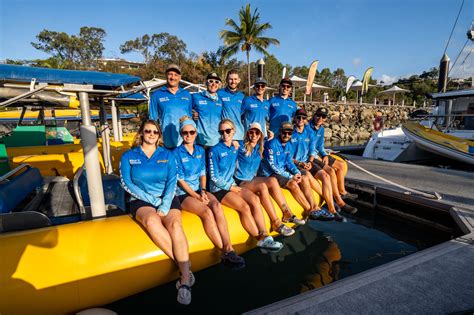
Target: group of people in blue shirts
point(197, 152)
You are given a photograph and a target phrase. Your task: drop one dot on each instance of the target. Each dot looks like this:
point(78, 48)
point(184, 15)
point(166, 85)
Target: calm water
point(318, 254)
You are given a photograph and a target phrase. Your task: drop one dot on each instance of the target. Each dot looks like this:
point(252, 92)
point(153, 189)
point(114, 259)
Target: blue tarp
point(46, 75)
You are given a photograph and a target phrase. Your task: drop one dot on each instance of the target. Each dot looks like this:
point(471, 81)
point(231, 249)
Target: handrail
point(77, 190)
point(13, 172)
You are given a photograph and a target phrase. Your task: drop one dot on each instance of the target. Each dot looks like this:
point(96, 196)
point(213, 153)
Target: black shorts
point(238, 181)
point(282, 181)
point(186, 195)
point(137, 204)
point(321, 164)
point(220, 194)
point(313, 170)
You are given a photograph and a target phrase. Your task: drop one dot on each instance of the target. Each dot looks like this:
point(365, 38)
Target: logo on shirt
point(161, 161)
point(275, 104)
point(185, 98)
point(185, 159)
point(253, 105)
point(198, 156)
point(226, 99)
point(224, 154)
point(202, 102)
point(135, 161)
point(164, 99)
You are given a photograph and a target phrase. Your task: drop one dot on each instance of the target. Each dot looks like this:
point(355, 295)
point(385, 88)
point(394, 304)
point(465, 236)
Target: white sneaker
point(269, 243)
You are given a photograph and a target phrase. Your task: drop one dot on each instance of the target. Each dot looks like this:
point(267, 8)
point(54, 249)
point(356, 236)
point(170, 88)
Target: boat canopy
point(452, 94)
point(55, 76)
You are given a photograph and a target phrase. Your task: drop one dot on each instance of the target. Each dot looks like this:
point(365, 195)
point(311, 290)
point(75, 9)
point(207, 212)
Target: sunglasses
point(227, 131)
point(148, 131)
point(301, 117)
point(188, 133)
point(286, 86)
point(287, 133)
point(210, 81)
point(254, 132)
point(260, 86)
point(322, 116)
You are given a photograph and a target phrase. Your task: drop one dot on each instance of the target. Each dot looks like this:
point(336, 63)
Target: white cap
point(255, 125)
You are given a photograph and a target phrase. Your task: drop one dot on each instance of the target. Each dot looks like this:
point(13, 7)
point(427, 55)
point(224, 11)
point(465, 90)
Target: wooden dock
point(437, 280)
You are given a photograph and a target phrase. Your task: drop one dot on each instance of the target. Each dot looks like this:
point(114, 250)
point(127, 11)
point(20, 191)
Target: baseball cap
point(301, 112)
point(287, 81)
point(260, 80)
point(173, 67)
point(255, 125)
point(321, 112)
point(213, 75)
point(286, 125)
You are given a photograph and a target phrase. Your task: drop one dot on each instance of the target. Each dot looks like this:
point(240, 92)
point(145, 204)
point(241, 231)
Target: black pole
point(260, 71)
point(443, 74)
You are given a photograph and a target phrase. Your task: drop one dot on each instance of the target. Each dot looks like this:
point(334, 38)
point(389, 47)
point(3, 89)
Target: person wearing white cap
point(249, 157)
point(192, 194)
point(255, 108)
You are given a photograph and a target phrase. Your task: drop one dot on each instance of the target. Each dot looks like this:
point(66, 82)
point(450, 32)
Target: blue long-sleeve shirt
point(255, 110)
point(222, 161)
point(149, 179)
point(168, 108)
point(277, 159)
point(247, 165)
point(190, 167)
point(303, 144)
point(319, 140)
point(281, 110)
point(232, 109)
point(210, 112)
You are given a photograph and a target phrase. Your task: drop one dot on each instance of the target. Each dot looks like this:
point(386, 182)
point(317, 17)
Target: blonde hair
point(227, 121)
point(248, 146)
point(138, 140)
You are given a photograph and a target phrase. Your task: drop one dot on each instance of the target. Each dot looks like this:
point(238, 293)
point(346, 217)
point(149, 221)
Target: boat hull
point(430, 140)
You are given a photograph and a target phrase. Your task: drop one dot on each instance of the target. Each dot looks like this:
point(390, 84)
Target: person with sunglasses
point(335, 168)
point(250, 154)
point(278, 163)
point(168, 104)
point(304, 152)
point(222, 163)
point(191, 192)
point(208, 110)
point(231, 99)
point(282, 106)
point(255, 107)
point(148, 174)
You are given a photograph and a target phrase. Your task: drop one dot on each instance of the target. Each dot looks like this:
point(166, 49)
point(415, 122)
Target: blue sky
point(396, 37)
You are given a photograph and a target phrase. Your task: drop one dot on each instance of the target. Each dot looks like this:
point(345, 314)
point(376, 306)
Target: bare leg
point(335, 189)
point(221, 222)
point(172, 222)
point(299, 196)
point(198, 208)
point(308, 192)
point(327, 189)
point(153, 223)
point(254, 203)
point(277, 194)
point(260, 188)
point(235, 201)
point(341, 169)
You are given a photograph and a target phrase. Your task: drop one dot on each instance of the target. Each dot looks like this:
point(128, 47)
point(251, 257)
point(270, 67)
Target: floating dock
point(437, 280)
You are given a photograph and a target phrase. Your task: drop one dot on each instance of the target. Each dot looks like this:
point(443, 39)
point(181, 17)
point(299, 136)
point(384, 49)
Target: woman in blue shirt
point(222, 163)
point(148, 173)
point(191, 192)
point(249, 156)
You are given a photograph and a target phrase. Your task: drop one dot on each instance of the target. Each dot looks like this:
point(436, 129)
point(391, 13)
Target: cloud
point(356, 61)
point(387, 80)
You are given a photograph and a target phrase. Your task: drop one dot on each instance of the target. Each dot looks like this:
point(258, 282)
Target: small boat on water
point(69, 244)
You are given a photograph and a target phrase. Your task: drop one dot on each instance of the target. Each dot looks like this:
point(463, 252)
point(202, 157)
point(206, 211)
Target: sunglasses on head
point(148, 131)
point(286, 86)
point(301, 117)
point(253, 132)
point(210, 81)
point(227, 131)
point(259, 85)
point(190, 133)
point(287, 133)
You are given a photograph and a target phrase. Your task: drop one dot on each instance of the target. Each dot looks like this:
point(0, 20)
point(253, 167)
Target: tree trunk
point(248, 68)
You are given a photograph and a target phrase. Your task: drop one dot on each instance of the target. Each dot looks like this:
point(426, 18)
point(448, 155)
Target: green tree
point(247, 35)
point(164, 46)
point(72, 51)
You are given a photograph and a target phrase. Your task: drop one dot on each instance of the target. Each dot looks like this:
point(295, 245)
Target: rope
point(452, 30)
point(434, 195)
point(460, 52)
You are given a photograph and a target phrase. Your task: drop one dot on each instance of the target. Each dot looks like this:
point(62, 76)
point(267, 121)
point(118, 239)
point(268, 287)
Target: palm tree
point(247, 35)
